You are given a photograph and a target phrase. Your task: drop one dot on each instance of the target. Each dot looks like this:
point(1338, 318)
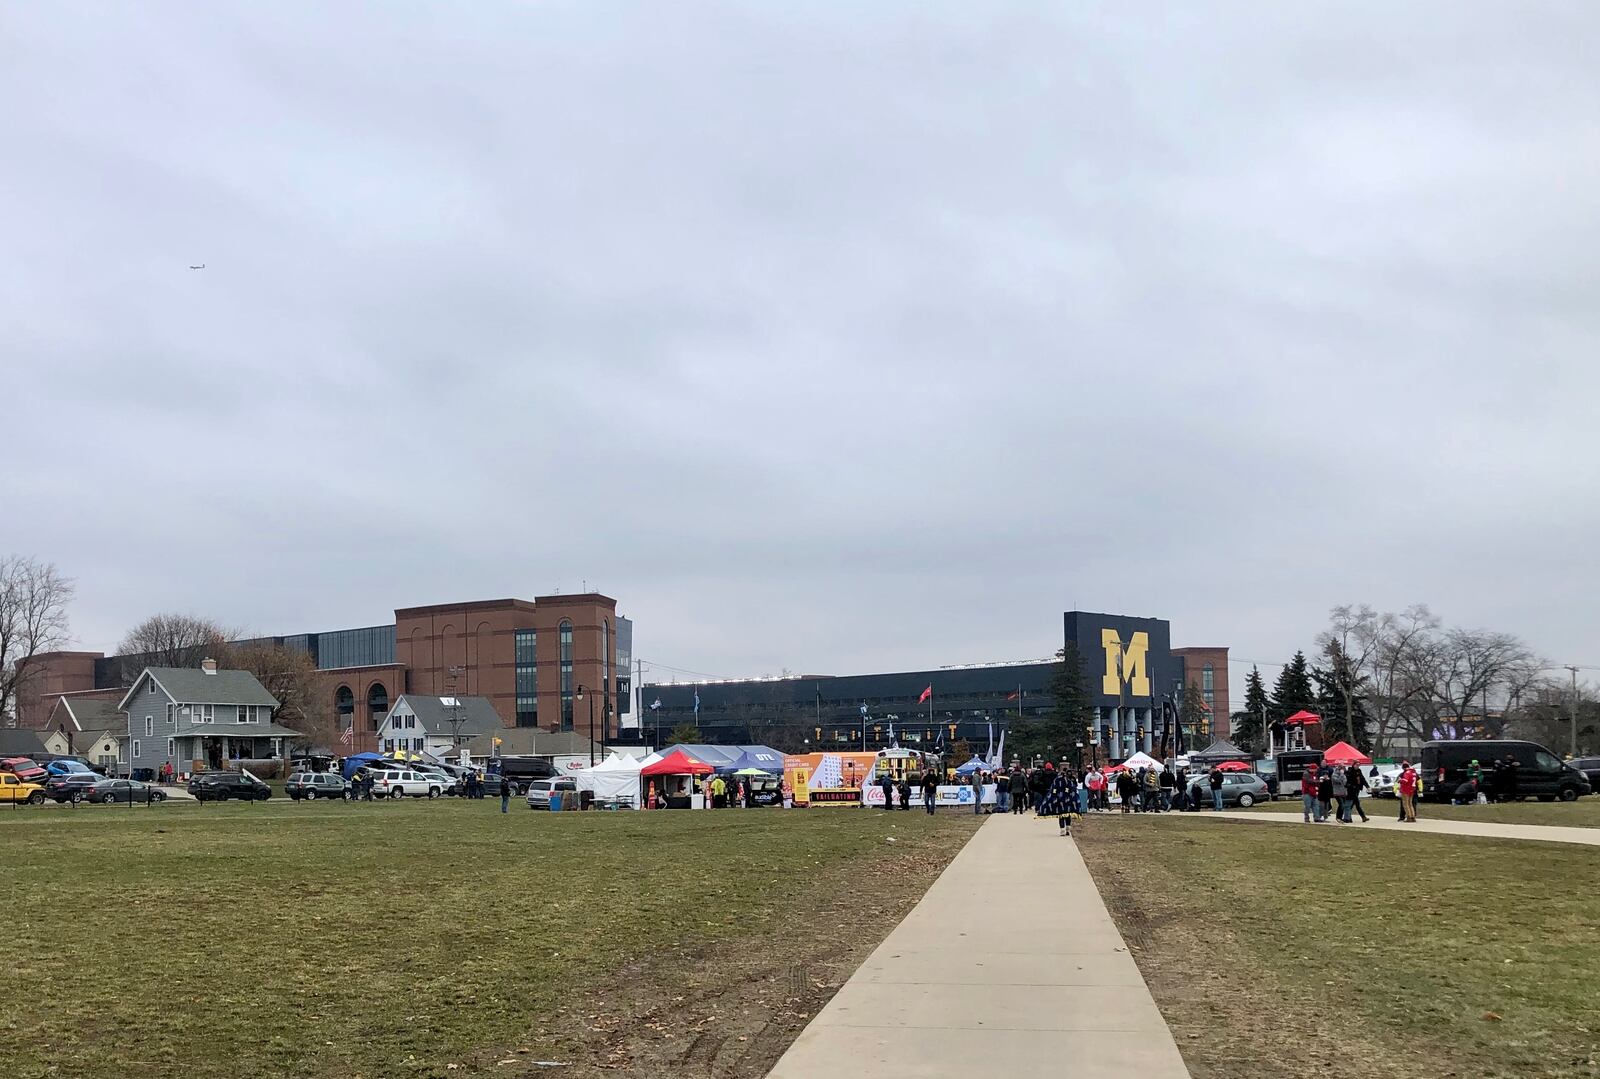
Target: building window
point(566, 675)
point(136, 748)
point(526, 653)
point(344, 701)
point(170, 708)
point(149, 726)
point(152, 687)
point(1208, 679)
point(172, 748)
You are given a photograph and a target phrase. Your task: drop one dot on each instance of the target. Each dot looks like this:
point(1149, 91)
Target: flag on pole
point(348, 735)
point(926, 693)
point(999, 758)
point(1014, 696)
point(655, 704)
point(892, 743)
point(988, 754)
point(863, 707)
point(697, 703)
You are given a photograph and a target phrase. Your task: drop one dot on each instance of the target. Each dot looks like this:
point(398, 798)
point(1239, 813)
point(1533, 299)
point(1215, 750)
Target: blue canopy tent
point(352, 763)
point(757, 757)
point(976, 764)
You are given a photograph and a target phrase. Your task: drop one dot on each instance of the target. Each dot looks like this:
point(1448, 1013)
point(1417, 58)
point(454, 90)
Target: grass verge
point(1296, 954)
point(435, 939)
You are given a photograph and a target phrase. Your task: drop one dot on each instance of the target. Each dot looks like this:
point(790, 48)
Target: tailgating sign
point(950, 794)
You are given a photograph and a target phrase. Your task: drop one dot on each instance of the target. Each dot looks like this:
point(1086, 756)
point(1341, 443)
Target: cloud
point(826, 339)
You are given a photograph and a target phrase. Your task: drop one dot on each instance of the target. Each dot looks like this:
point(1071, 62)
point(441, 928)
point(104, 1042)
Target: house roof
point(20, 742)
point(532, 741)
point(476, 714)
point(191, 685)
point(95, 715)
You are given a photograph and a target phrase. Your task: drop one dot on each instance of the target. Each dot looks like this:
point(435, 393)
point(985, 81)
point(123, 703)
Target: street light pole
point(1574, 742)
point(581, 692)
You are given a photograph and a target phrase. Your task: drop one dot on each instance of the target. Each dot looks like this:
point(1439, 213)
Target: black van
point(1539, 772)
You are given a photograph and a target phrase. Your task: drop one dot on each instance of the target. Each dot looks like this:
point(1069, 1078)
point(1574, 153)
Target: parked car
point(402, 783)
point(71, 787)
point(14, 789)
point(1540, 773)
point(66, 766)
point(125, 790)
point(491, 785)
point(447, 782)
point(1381, 780)
point(539, 791)
point(1238, 789)
point(221, 786)
point(1590, 767)
point(314, 785)
point(24, 768)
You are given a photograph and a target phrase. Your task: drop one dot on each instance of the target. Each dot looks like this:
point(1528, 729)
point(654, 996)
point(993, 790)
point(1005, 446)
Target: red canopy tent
point(1302, 717)
point(676, 763)
point(1233, 766)
point(1344, 753)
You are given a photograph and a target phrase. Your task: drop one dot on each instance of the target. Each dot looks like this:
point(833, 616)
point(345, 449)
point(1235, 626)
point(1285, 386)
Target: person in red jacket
point(1406, 784)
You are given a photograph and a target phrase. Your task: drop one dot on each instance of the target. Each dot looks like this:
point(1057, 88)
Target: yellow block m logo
point(1125, 665)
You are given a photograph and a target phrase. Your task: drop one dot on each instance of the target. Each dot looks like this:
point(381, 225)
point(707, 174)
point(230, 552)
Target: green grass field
point(428, 939)
point(1584, 813)
point(1340, 952)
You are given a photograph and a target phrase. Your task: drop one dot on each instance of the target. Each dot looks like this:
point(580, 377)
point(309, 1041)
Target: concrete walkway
point(1010, 965)
point(1382, 822)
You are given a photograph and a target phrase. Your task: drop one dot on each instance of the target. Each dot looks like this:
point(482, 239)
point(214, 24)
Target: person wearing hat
point(1407, 785)
point(930, 790)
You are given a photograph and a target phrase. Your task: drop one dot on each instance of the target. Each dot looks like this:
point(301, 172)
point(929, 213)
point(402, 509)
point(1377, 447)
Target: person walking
point(904, 787)
point(976, 782)
point(1059, 802)
point(1017, 782)
point(1337, 789)
point(1407, 784)
point(1308, 794)
point(1152, 790)
point(1167, 781)
point(1324, 794)
point(886, 784)
point(505, 796)
point(1215, 779)
point(930, 791)
point(1355, 781)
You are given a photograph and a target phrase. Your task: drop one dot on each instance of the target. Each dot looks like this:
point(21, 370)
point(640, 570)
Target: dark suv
point(220, 786)
point(313, 785)
point(72, 787)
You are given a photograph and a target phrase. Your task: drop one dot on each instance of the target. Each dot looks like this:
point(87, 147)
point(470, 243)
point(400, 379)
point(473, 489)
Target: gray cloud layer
point(834, 339)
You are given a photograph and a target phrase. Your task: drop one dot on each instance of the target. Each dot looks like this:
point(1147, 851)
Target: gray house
point(201, 718)
point(436, 725)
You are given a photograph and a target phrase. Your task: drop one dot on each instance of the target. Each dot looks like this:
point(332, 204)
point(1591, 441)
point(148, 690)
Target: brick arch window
point(377, 705)
point(344, 706)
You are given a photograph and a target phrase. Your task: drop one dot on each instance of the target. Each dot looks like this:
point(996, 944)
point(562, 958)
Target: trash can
point(586, 799)
point(555, 801)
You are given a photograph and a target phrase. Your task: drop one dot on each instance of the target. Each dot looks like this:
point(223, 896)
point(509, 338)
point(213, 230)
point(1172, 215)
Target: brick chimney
point(209, 666)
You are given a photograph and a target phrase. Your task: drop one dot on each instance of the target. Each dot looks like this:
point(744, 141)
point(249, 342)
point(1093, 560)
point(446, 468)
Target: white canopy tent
point(1140, 760)
point(614, 779)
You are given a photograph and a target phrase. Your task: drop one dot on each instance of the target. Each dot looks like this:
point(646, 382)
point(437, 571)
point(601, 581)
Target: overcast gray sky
point(857, 337)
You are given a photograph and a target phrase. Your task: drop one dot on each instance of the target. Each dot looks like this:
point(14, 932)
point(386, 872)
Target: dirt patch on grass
point(1302, 955)
point(730, 1009)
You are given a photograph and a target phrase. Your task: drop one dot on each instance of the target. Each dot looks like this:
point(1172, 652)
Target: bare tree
point(33, 619)
point(1391, 644)
point(290, 675)
point(172, 640)
point(1348, 644)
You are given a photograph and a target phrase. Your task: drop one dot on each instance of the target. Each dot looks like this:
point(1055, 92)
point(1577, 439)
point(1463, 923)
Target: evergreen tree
point(1248, 732)
point(1293, 691)
point(686, 733)
point(1071, 714)
point(1341, 704)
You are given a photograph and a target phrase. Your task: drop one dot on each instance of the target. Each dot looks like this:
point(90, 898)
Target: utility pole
point(1574, 744)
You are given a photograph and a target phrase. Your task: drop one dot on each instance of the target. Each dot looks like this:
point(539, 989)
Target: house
point(195, 718)
point(436, 725)
point(88, 725)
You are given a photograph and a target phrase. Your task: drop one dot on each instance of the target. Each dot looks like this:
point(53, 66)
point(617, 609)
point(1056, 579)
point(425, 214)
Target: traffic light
point(1138, 735)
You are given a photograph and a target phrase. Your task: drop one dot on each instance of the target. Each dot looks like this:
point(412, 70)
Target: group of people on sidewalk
point(1334, 793)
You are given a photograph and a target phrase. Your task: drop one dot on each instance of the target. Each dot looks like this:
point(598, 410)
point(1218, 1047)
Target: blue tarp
point(725, 758)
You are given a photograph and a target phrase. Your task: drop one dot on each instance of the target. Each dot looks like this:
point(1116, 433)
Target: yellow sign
point(1125, 664)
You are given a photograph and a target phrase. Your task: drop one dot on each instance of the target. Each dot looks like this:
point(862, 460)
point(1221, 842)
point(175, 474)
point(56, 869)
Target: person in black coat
point(930, 791)
point(1355, 780)
point(887, 783)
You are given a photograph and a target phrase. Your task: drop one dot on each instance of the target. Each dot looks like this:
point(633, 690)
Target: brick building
point(529, 658)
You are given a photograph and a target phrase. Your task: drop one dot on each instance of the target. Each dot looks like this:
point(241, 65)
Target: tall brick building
point(528, 657)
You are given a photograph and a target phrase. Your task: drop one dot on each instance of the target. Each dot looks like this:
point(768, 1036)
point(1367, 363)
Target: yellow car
point(13, 789)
